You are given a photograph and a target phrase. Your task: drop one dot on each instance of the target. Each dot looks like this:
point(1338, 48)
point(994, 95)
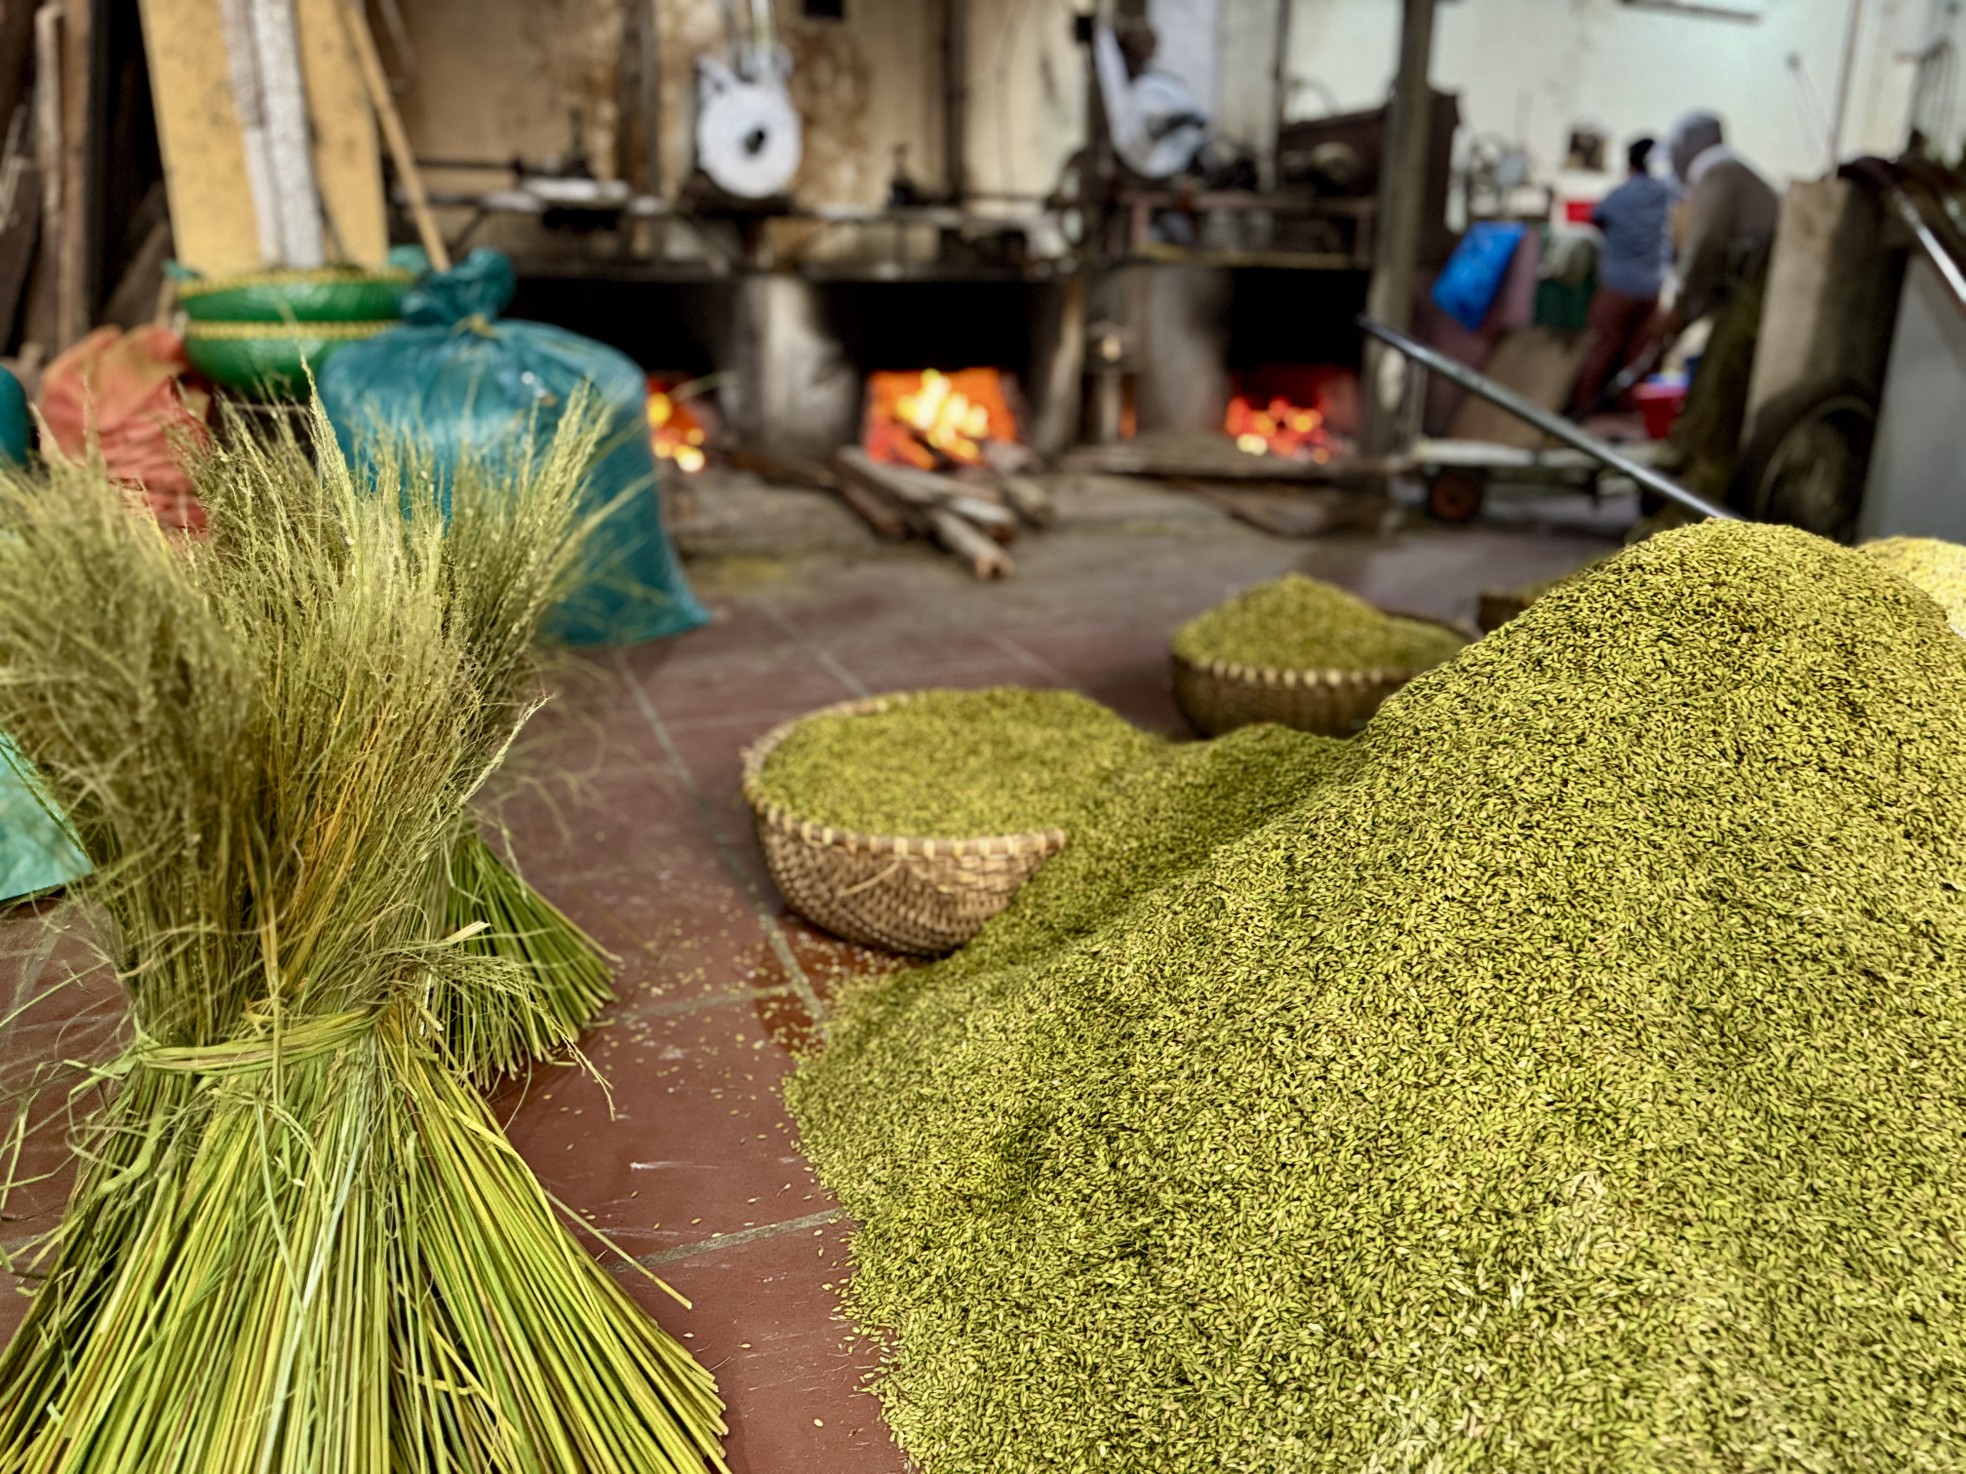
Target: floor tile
point(794, 1373)
point(688, 1138)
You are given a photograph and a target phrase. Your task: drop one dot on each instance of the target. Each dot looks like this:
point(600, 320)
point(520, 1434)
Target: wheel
point(1807, 460)
point(1456, 495)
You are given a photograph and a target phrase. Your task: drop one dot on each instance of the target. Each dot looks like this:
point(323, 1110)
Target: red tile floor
point(634, 824)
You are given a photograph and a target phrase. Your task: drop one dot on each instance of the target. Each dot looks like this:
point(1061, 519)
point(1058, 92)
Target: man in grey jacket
point(1726, 221)
point(1726, 227)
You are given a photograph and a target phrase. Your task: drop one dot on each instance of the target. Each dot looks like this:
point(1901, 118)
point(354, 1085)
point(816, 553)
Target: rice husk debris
point(1299, 623)
point(1936, 566)
point(1569, 1073)
point(944, 764)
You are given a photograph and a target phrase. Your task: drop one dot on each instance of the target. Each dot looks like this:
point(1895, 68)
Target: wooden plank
point(133, 303)
point(16, 46)
point(74, 283)
point(1541, 365)
point(214, 222)
point(355, 25)
point(19, 237)
point(347, 149)
point(40, 330)
point(985, 559)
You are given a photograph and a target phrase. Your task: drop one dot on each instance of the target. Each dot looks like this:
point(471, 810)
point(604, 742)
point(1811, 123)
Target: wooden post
point(76, 259)
point(393, 134)
point(955, 99)
point(1402, 196)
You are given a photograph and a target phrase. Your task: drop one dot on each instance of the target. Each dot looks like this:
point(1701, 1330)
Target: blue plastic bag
point(36, 850)
point(459, 380)
point(1467, 286)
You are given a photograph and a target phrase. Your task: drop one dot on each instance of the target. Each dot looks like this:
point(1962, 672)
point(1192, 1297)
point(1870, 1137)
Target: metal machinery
point(748, 140)
point(1853, 423)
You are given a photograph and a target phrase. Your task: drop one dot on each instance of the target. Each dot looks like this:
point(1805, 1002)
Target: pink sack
point(128, 399)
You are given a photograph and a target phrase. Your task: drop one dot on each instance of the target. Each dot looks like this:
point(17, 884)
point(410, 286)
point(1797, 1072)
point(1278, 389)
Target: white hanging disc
point(748, 139)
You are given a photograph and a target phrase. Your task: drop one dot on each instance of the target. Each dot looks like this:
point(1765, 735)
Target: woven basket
point(270, 358)
point(924, 897)
point(1219, 695)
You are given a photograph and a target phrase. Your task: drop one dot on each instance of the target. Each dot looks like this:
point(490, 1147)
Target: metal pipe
point(1934, 248)
point(1548, 423)
point(1843, 81)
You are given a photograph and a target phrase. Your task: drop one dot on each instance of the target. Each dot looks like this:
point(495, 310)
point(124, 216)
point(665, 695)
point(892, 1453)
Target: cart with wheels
point(1457, 473)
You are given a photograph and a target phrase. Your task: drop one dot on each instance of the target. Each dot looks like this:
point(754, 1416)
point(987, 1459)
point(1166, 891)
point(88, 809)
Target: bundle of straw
point(297, 1240)
point(509, 561)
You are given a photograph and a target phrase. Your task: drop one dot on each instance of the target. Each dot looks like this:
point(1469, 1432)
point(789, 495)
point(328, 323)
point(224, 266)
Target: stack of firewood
point(973, 512)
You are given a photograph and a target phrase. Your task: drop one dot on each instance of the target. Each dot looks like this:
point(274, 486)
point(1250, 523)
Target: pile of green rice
point(1567, 1074)
point(1937, 567)
point(955, 764)
point(1298, 623)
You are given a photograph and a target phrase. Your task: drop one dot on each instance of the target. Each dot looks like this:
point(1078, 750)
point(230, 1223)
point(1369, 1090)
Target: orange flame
point(1280, 428)
point(932, 419)
point(678, 435)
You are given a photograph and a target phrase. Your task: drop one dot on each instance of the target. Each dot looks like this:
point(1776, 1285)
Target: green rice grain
point(955, 764)
point(1937, 567)
point(1298, 623)
point(1567, 1074)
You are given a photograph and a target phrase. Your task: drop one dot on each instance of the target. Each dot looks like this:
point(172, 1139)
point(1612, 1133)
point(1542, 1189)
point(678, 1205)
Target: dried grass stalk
point(298, 1241)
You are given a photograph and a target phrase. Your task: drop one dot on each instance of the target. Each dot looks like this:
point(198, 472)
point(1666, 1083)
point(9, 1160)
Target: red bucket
point(1660, 401)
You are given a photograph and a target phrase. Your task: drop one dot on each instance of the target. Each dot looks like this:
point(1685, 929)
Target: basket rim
point(1041, 842)
point(1271, 676)
point(207, 286)
point(245, 332)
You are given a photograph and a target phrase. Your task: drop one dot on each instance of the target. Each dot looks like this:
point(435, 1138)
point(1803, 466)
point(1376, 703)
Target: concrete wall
point(1528, 69)
point(1921, 437)
point(498, 77)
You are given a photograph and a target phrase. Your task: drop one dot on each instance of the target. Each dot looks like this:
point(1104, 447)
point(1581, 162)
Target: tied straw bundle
point(508, 561)
point(298, 1240)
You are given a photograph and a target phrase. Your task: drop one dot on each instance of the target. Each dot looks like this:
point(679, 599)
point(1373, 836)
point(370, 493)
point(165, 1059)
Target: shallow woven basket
point(920, 896)
point(1219, 695)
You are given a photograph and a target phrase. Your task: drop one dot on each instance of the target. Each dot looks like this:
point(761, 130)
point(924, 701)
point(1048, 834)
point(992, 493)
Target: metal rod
point(1843, 81)
point(1548, 423)
point(1934, 248)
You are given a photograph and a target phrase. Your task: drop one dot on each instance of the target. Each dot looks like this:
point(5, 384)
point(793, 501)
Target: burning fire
point(1280, 429)
point(679, 435)
point(931, 419)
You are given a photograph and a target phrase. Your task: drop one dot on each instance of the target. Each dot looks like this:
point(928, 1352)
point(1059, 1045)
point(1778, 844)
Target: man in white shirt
point(1156, 126)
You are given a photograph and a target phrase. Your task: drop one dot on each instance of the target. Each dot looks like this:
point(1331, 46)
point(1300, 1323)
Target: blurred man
point(1726, 227)
point(1635, 220)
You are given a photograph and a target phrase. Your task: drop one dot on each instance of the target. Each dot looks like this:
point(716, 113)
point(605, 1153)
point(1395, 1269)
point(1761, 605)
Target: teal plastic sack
point(460, 380)
point(16, 423)
point(36, 851)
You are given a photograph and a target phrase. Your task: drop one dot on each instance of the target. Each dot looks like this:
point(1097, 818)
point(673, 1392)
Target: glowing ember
point(678, 434)
point(931, 419)
point(1280, 428)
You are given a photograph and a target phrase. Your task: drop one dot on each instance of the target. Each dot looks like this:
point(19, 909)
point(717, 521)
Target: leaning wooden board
point(213, 223)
